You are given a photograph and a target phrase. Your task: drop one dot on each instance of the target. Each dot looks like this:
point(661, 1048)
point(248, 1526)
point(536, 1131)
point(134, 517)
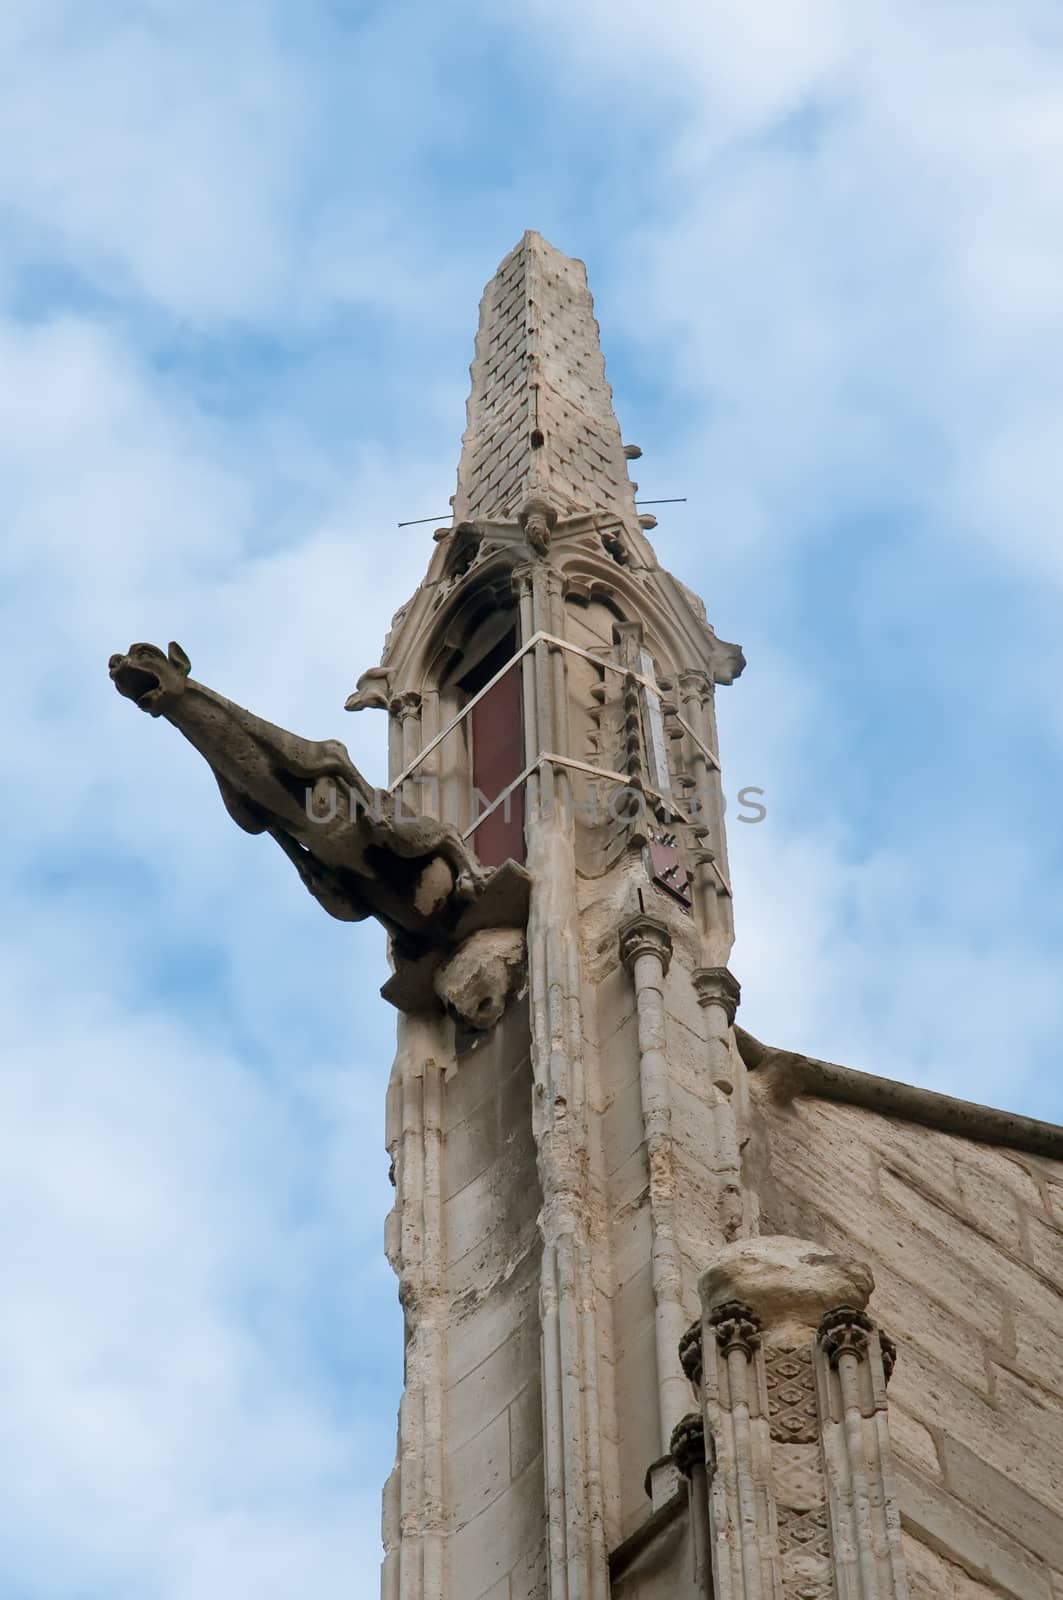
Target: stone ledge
point(629, 1550)
point(785, 1074)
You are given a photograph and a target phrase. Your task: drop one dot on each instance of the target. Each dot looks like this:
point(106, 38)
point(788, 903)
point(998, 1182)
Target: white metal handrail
point(561, 644)
point(595, 772)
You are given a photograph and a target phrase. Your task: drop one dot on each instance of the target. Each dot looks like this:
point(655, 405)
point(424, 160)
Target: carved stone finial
point(688, 1444)
point(645, 935)
point(843, 1329)
point(737, 1327)
point(718, 986)
point(690, 1353)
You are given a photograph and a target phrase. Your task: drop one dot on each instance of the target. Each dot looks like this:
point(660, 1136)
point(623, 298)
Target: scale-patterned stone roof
point(540, 413)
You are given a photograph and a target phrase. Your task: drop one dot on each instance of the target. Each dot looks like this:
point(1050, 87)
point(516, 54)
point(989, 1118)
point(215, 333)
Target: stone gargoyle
point(354, 851)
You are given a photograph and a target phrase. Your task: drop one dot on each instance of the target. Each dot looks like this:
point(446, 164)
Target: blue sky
point(243, 249)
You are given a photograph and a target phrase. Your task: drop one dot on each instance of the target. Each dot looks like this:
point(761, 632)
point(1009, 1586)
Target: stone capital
point(718, 986)
point(784, 1281)
point(736, 1326)
point(693, 682)
point(645, 935)
point(688, 1444)
point(407, 704)
point(522, 579)
point(845, 1329)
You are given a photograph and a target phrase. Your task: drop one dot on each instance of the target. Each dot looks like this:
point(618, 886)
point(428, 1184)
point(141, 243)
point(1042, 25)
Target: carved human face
point(148, 677)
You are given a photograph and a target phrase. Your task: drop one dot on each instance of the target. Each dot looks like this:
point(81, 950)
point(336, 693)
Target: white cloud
point(842, 284)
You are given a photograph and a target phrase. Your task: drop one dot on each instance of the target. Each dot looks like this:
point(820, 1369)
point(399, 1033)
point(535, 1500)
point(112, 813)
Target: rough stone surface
point(477, 982)
point(785, 1280)
point(959, 1237)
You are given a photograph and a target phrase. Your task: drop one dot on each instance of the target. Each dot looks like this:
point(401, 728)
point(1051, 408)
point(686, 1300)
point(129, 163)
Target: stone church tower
point(643, 1258)
point(686, 1316)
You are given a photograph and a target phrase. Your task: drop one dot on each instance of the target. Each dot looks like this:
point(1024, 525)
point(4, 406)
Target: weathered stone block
point(1001, 1502)
point(486, 1550)
point(965, 1539)
point(478, 1472)
point(1046, 1250)
point(490, 1388)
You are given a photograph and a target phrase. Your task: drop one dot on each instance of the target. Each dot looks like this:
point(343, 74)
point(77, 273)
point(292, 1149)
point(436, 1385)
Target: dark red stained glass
point(498, 758)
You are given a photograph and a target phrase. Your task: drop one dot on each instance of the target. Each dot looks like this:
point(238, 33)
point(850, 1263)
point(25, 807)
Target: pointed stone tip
point(531, 240)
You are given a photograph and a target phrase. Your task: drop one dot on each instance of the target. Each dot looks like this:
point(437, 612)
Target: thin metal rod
point(673, 500)
point(414, 521)
point(506, 792)
point(595, 772)
point(577, 766)
point(466, 708)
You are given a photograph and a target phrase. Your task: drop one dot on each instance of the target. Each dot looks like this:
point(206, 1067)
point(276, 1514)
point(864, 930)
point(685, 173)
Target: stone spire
point(540, 413)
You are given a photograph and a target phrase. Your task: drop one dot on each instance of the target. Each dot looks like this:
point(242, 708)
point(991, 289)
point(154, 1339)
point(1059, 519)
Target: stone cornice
point(785, 1074)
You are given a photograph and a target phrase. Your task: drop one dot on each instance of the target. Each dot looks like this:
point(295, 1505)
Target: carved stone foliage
point(736, 1327)
point(845, 1329)
point(688, 1444)
point(690, 1354)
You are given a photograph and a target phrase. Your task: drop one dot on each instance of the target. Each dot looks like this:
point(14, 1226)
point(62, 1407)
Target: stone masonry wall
point(493, 1404)
point(966, 1244)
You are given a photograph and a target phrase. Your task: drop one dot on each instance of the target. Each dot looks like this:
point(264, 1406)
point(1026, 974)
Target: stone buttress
point(615, 1383)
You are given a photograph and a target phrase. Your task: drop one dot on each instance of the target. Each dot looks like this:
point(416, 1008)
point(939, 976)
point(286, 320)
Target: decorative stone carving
point(737, 1327)
point(406, 705)
point(688, 1443)
point(645, 935)
point(371, 691)
point(889, 1355)
point(354, 854)
point(477, 982)
point(845, 1329)
point(690, 1354)
point(538, 518)
point(802, 1501)
point(718, 986)
point(791, 1386)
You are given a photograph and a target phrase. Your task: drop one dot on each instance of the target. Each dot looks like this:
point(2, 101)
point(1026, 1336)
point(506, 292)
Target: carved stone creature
point(478, 980)
point(355, 855)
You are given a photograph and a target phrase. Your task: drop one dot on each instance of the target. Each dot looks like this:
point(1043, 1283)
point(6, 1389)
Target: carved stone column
point(577, 1560)
point(853, 1363)
point(646, 950)
point(688, 1453)
point(406, 710)
point(414, 1502)
point(802, 1502)
point(718, 994)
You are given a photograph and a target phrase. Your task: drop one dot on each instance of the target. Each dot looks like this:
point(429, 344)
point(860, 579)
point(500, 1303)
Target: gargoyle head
point(149, 678)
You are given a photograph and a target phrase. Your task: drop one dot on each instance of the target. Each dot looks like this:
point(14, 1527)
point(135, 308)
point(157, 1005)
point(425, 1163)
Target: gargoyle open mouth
point(138, 684)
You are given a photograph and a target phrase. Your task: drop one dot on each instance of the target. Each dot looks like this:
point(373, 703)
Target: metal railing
point(586, 767)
